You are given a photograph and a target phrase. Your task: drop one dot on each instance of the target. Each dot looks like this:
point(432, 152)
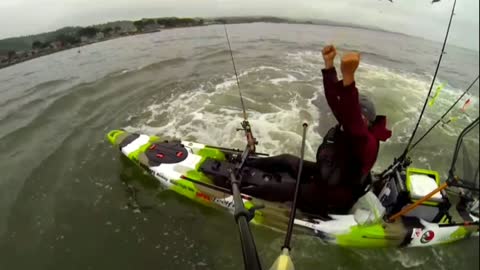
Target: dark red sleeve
point(330, 82)
point(350, 111)
point(365, 144)
point(345, 105)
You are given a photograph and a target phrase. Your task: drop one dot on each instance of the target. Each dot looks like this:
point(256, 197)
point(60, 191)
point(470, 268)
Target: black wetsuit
point(322, 190)
point(341, 172)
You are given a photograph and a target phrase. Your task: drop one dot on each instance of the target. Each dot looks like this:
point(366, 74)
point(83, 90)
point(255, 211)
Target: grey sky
point(415, 17)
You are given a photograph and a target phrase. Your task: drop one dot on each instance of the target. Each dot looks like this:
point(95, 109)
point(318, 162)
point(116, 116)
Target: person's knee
point(288, 157)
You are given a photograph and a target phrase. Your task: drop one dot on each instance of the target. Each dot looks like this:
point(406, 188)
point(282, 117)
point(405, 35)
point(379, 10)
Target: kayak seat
point(254, 182)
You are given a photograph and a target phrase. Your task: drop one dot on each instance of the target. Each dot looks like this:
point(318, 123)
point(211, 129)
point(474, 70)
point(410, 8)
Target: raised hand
point(350, 62)
point(329, 53)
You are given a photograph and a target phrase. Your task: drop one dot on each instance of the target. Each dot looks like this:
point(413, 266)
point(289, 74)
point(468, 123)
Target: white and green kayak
point(196, 171)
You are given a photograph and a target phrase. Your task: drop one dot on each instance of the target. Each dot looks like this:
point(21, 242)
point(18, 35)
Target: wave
point(212, 117)
point(164, 64)
point(36, 110)
point(387, 58)
point(215, 54)
point(42, 91)
point(289, 79)
point(29, 73)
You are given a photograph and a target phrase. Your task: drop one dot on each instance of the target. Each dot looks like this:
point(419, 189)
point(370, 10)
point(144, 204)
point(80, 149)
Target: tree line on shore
point(18, 49)
point(75, 36)
point(91, 32)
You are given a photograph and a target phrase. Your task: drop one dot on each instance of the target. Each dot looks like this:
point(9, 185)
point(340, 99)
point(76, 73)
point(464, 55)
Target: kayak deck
point(176, 165)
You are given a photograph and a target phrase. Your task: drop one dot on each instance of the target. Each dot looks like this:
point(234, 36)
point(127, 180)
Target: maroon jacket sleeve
point(350, 111)
point(366, 144)
point(345, 105)
point(330, 82)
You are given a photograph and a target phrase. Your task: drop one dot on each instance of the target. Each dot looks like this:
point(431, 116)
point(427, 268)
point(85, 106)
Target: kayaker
point(348, 152)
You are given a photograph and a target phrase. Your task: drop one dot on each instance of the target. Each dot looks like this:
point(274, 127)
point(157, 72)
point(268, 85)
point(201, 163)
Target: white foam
point(226, 84)
point(278, 131)
point(207, 114)
point(290, 78)
point(260, 68)
point(408, 261)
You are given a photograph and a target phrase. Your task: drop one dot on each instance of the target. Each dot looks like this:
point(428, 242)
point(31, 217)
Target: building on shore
point(100, 36)
point(3, 58)
point(149, 28)
point(56, 45)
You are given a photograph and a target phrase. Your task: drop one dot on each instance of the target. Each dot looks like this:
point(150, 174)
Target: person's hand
point(329, 53)
point(350, 62)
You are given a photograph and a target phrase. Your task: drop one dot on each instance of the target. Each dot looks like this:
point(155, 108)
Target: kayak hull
point(180, 171)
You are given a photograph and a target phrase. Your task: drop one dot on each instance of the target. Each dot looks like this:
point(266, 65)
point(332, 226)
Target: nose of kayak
point(114, 136)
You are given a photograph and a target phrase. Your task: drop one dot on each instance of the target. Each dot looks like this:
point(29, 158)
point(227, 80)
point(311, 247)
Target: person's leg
point(286, 163)
point(312, 199)
point(321, 199)
point(310, 172)
point(281, 163)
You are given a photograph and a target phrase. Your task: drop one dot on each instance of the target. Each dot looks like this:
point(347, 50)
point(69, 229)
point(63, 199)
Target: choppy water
point(68, 202)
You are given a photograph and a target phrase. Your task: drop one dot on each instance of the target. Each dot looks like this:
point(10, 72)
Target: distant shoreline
point(204, 22)
point(217, 21)
point(53, 51)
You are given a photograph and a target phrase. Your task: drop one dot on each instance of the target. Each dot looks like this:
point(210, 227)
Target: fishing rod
point(399, 162)
point(443, 116)
point(407, 148)
point(251, 141)
point(242, 216)
point(284, 261)
point(235, 150)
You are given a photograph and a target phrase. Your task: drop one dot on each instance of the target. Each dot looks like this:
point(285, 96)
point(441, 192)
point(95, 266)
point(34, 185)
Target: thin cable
point(236, 74)
point(407, 149)
point(469, 128)
point(443, 116)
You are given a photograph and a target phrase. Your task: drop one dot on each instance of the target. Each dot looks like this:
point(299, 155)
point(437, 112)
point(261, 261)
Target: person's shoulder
point(379, 129)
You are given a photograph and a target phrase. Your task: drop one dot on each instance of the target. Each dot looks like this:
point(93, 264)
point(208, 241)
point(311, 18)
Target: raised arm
point(330, 79)
point(350, 110)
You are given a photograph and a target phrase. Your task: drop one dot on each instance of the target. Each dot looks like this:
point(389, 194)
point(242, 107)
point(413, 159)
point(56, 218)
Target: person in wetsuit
point(341, 173)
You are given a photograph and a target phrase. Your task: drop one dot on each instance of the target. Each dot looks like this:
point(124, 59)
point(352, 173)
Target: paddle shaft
point(293, 211)
point(249, 249)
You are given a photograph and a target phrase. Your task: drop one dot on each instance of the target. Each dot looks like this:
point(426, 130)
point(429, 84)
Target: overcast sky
point(415, 17)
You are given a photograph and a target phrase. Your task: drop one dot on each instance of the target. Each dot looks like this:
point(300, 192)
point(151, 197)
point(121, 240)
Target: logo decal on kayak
point(224, 202)
point(427, 237)
point(203, 196)
point(416, 233)
point(158, 175)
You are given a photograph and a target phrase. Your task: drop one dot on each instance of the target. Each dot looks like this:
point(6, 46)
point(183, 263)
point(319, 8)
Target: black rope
point(407, 149)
